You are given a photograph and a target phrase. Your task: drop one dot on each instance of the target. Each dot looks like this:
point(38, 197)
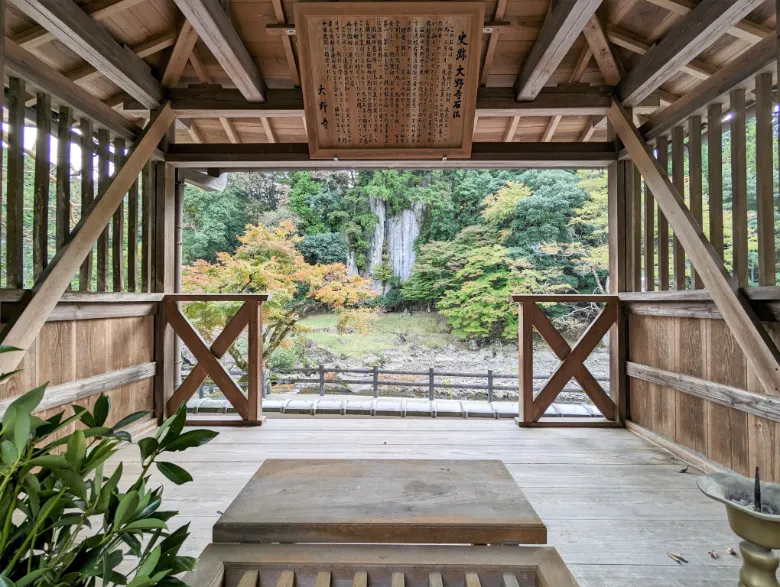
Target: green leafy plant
point(63, 522)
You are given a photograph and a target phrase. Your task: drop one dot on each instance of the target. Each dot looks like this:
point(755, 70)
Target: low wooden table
point(395, 501)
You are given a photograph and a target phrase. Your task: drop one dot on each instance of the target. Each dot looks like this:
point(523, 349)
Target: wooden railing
point(249, 315)
point(572, 364)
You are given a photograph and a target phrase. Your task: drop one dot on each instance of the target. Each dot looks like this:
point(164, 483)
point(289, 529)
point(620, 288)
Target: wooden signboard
point(389, 80)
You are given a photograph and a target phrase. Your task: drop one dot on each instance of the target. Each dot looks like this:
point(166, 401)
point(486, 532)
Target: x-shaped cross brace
point(572, 364)
point(208, 358)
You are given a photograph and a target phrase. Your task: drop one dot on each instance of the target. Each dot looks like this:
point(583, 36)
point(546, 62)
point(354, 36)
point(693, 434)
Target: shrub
point(325, 248)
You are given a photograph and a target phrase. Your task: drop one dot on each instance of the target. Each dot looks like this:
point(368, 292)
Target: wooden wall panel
point(702, 348)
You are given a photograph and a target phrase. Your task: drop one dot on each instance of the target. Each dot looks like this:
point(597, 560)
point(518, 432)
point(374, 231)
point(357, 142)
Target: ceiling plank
point(36, 35)
point(561, 28)
point(215, 29)
point(25, 65)
point(287, 156)
point(747, 31)
point(739, 71)
point(182, 51)
point(596, 35)
point(76, 29)
point(690, 36)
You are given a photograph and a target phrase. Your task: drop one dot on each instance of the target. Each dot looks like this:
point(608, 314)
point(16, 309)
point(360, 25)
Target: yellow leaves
point(501, 205)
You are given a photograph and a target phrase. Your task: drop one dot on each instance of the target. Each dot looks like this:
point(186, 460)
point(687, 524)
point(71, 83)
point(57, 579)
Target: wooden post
point(2, 100)
point(764, 180)
point(739, 226)
point(255, 374)
point(695, 181)
point(63, 175)
point(490, 385)
point(715, 174)
point(649, 240)
point(118, 225)
point(147, 226)
point(375, 381)
point(177, 242)
point(525, 349)
point(636, 230)
point(630, 257)
point(41, 184)
point(103, 178)
point(678, 178)
point(87, 193)
point(322, 379)
point(662, 155)
point(617, 283)
point(431, 383)
point(132, 237)
point(15, 190)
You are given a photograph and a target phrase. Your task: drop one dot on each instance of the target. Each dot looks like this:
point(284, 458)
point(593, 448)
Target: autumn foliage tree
point(267, 260)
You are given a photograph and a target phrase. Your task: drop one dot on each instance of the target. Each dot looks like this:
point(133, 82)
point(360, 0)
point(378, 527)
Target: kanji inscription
point(389, 80)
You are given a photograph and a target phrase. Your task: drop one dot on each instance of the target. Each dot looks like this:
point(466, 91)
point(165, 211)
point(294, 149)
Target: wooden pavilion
point(156, 93)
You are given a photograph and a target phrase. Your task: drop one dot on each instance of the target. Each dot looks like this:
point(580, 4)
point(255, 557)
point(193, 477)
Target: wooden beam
point(490, 52)
point(182, 51)
point(215, 29)
point(85, 37)
point(549, 132)
point(747, 31)
point(25, 65)
point(296, 156)
point(231, 132)
point(36, 35)
point(687, 39)
point(287, 45)
point(22, 330)
point(269, 132)
point(737, 73)
point(582, 64)
point(204, 181)
point(609, 65)
point(561, 28)
point(509, 135)
point(761, 352)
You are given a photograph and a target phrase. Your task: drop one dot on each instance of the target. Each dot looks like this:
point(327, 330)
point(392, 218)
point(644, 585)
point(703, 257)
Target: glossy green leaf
point(21, 430)
point(174, 472)
point(126, 421)
point(6, 582)
point(147, 446)
point(146, 524)
point(126, 508)
point(191, 439)
point(8, 452)
point(74, 482)
point(147, 568)
point(77, 450)
point(102, 408)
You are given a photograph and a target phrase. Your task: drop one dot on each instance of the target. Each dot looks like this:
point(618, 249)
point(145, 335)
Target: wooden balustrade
point(530, 316)
point(249, 315)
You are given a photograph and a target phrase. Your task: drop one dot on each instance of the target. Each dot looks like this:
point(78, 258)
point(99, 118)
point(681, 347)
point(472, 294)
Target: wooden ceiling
point(558, 60)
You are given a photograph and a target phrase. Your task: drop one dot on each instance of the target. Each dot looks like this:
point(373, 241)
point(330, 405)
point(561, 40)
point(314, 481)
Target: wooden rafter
point(608, 63)
point(689, 37)
point(490, 52)
point(230, 131)
point(76, 29)
point(287, 45)
point(22, 330)
point(509, 135)
point(182, 51)
point(215, 29)
point(561, 28)
point(551, 128)
point(761, 352)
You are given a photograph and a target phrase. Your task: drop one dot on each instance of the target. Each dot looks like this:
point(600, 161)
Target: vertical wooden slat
point(255, 356)
point(147, 218)
point(715, 174)
point(629, 219)
point(103, 179)
point(165, 197)
point(636, 229)
point(678, 179)
point(41, 184)
point(764, 180)
point(434, 580)
point(323, 579)
point(526, 361)
point(15, 188)
point(63, 175)
point(132, 237)
point(2, 100)
point(249, 579)
point(87, 193)
point(694, 181)
point(739, 226)
point(662, 150)
point(649, 240)
point(360, 579)
point(617, 283)
point(118, 225)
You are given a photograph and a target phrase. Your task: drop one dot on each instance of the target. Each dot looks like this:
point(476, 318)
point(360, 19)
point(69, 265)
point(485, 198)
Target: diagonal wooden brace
point(190, 337)
point(23, 328)
point(218, 348)
point(581, 373)
point(574, 360)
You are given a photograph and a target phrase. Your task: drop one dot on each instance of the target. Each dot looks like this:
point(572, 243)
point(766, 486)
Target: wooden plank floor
point(614, 504)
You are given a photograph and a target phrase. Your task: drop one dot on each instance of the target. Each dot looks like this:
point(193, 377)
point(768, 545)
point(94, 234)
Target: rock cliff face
point(393, 238)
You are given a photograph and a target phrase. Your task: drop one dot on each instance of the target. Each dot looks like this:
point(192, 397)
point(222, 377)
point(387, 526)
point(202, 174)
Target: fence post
point(376, 381)
point(430, 383)
point(490, 385)
point(322, 379)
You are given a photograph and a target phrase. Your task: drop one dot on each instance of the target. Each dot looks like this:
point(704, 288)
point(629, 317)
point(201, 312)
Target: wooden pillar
point(2, 100)
point(695, 181)
point(147, 226)
point(103, 179)
point(132, 237)
point(662, 155)
point(41, 184)
point(630, 256)
point(165, 201)
point(739, 225)
point(255, 356)
point(177, 243)
point(118, 224)
point(715, 174)
point(63, 175)
point(87, 193)
point(525, 350)
point(618, 352)
point(764, 180)
point(649, 240)
point(15, 188)
point(678, 178)
point(636, 230)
